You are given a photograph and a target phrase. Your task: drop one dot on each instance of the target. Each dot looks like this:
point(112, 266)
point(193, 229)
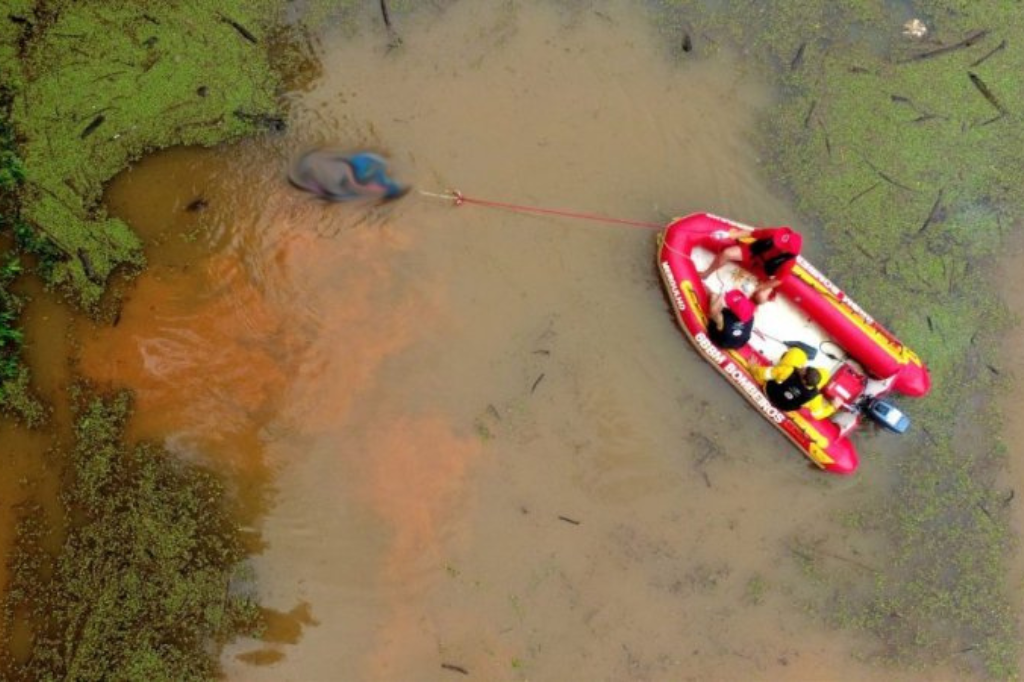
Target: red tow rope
point(458, 199)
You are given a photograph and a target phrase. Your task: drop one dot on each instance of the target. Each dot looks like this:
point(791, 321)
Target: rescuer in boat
point(340, 176)
point(731, 319)
point(791, 384)
point(770, 251)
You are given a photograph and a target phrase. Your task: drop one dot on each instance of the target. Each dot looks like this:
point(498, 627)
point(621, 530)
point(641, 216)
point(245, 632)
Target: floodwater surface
point(474, 440)
point(1010, 276)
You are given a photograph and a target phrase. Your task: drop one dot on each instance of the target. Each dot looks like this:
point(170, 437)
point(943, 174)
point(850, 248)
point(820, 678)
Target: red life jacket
point(774, 251)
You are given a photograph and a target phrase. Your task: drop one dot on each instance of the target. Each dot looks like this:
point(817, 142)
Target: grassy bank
point(907, 154)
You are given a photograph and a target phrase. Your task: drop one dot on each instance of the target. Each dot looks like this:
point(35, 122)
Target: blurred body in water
point(343, 176)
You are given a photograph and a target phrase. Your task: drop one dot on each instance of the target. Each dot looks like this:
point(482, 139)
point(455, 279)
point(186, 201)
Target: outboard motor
point(887, 416)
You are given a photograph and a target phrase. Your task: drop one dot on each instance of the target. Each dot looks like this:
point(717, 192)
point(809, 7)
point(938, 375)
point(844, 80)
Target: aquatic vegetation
point(905, 158)
point(15, 396)
point(144, 586)
point(12, 170)
point(754, 592)
point(162, 75)
point(148, 582)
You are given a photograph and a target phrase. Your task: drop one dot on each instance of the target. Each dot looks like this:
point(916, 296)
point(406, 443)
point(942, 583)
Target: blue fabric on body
point(368, 167)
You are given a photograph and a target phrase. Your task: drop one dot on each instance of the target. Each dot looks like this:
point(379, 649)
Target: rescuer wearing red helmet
point(768, 252)
point(731, 319)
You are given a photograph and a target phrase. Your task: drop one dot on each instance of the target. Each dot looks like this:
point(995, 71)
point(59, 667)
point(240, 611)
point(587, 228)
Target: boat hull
point(808, 308)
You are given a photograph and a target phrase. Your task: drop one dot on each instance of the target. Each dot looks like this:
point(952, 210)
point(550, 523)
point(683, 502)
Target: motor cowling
point(888, 416)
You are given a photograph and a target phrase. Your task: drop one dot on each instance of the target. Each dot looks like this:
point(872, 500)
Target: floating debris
point(96, 122)
point(798, 58)
point(985, 92)
point(242, 30)
point(915, 28)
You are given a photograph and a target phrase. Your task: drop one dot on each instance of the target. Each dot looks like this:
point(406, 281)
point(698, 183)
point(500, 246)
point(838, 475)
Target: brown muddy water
point(1010, 276)
point(471, 440)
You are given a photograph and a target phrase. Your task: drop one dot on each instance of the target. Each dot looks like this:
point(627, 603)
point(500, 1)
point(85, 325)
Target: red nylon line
point(460, 198)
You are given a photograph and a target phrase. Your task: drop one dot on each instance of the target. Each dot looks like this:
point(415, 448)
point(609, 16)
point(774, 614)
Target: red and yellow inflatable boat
point(864, 360)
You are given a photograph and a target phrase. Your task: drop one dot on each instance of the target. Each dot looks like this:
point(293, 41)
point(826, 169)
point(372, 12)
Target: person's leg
point(731, 253)
point(764, 291)
point(715, 311)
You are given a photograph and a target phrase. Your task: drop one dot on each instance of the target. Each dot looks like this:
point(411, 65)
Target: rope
point(458, 199)
point(821, 345)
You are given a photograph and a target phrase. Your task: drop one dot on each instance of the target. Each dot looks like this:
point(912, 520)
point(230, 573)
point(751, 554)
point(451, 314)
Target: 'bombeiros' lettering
point(739, 377)
point(710, 349)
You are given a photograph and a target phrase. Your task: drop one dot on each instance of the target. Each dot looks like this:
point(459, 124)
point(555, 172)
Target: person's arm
point(738, 233)
point(762, 233)
point(820, 408)
point(765, 290)
point(777, 373)
point(715, 312)
point(785, 269)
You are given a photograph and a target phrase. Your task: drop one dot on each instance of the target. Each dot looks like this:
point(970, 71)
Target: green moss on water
point(149, 581)
point(914, 178)
point(99, 84)
point(87, 88)
point(16, 397)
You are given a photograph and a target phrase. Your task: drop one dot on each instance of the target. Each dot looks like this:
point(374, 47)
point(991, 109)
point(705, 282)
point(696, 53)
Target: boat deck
point(776, 321)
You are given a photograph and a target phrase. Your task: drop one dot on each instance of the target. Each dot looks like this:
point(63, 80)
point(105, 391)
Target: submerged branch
point(396, 40)
point(985, 92)
point(805, 553)
point(997, 48)
point(933, 213)
point(242, 30)
point(862, 193)
point(966, 42)
point(890, 180)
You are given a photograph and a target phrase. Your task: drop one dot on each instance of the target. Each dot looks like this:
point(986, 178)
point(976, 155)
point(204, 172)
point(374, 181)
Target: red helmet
point(739, 304)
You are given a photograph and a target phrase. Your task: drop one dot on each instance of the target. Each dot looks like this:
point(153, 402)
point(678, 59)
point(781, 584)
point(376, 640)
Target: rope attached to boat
point(458, 199)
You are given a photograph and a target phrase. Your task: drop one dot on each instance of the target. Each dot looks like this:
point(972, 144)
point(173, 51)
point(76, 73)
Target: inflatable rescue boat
point(864, 360)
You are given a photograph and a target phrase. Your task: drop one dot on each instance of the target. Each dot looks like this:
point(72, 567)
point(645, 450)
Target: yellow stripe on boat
point(899, 352)
point(738, 359)
point(814, 434)
point(816, 449)
point(818, 456)
point(686, 286)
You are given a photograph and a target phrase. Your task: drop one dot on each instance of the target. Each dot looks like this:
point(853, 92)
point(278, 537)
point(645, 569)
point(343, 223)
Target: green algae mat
point(907, 155)
point(98, 84)
point(146, 581)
